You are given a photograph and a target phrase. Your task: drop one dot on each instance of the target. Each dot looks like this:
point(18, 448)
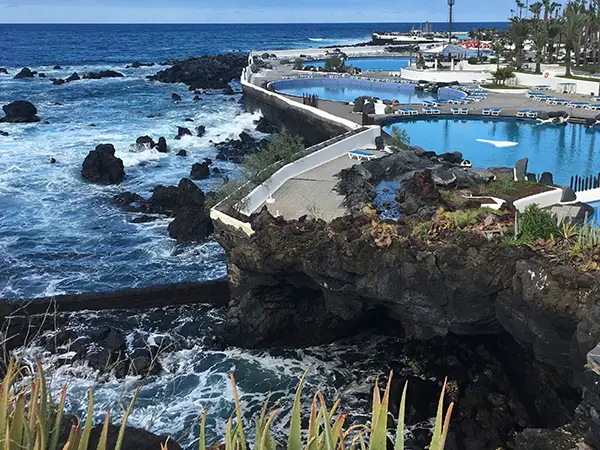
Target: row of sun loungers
point(551, 100)
point(527, 113)
point(459, 111)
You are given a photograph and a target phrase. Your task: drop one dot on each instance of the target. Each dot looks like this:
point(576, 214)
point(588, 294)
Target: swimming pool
point(375, 64)
point(564, 150)
point(346, 90)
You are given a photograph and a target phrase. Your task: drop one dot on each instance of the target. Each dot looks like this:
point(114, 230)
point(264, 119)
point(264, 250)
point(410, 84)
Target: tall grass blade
point(58, 421)
point(87, 429)
point(267, 440)
point(102, 442)
point(15, 433)
point(295, 436)
point(399, 445)
point(446, 426)
point(379, 428)
point(313, 426)
point(228, 435)
point(238, 412)
point(124, 423)
point(202, 442)
point(327, 431)
point(436, 439)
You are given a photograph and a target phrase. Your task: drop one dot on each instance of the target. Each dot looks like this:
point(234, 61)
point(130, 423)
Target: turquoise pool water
point(563, 150)
point(347, 89)
point(375, 64)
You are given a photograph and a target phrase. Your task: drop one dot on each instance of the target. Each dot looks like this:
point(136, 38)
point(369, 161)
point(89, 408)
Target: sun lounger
point(523, 113)
point(593, 107)
point(486, 111)
point(455, 111)
point(561, 102)
point(411, 111)
point(464, 110)
point(579, 104)
point(496, 111)
point(360, 155)
point(532, 114)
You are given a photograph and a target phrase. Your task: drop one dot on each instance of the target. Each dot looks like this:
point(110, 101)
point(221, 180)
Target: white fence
point(543, 200)
point(260, 194)
point(443, 76)
point(591, 195)
point(215, 214)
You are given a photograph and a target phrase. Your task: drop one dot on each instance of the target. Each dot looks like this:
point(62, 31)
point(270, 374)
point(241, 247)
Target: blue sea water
point(59, 234)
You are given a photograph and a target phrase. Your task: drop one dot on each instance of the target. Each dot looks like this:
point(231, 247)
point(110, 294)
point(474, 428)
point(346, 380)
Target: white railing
point(215, 214)
point(261, 193)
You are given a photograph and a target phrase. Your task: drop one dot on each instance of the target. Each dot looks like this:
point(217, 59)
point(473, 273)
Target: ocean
point(61, 235)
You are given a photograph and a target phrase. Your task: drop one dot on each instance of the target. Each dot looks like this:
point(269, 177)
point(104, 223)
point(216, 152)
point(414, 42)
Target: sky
point(248, 11)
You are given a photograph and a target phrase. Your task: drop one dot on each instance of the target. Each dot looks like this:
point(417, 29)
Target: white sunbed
point(360, 155)
point(532, 114)
point(496, 111)
point(523, 113)
point(464, 110)
point(455, 111)
point(486, 111)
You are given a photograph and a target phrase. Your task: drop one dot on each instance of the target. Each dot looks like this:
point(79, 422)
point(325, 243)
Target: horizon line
point(245, 23)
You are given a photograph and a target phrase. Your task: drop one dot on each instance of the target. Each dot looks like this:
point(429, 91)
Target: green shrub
point(334, 63)
point(399, 140)
point(536, 223)
point(472, 60)
point(463, 219)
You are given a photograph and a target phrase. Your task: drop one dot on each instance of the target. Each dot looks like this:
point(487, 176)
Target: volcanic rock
point(200, 131)
point(205, 72)
point(102, 166)
point(145, 141)
point(133, 439)
point(419, 195)
point(200, 171)
point(57, 68)
point(20, 112)
point(73, 77)
point(181, 132)
point(24, 73)
point(236, 150)
point(175, 97)
point(4, 133)
point(137, 65)
point(181, 153)
point(3, 71)
point(103, 74)
point(42, 75)
point(196, 98)
point(264, 126)
point(161, 145)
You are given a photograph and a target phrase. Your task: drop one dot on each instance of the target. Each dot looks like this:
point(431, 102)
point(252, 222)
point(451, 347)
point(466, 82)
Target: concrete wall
point(444, 76)
point(313, 124)
point(215, 214)
point(543, 200)
point(258, 196)
point(591, 195)
point(583, 87)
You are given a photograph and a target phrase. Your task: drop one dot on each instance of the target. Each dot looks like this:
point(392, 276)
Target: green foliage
point(421, 230)
point(536, 224)
point(501, 188)
point(503, 74)
point(588, 236)
point(399, 139)
point(463, 219)
point(325, 431)
point(299, 64)
point(30, 420)
point(334, 63)
point(473, 60)
point(285, 148)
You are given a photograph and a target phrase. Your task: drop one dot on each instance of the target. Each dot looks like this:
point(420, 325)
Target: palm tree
point(572, 28)
point(520, 6)
point(539, 36)
point(498, 49)
point(536, 10)
point(518, 32)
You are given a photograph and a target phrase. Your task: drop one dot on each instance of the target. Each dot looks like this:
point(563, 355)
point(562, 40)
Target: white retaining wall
point(583, 87)
point(215, 214)
point(543, 200)
point(294, 104)
point(260, 194)
point(444, 76)
point(591, 195)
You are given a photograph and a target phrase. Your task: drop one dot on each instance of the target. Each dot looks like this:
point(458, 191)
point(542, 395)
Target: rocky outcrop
point(133, 439)
point(20, 112)
point(102, 166)
point(25, 73)
point(137, 65)
point(185, 202)
point(205, 72)
point(201, 171)
point(103, 74)
point(3, 71)
point(235, 150)
point(181, 132)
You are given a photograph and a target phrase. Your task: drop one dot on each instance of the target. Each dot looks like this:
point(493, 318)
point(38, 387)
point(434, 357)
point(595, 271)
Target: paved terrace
point(312, 193)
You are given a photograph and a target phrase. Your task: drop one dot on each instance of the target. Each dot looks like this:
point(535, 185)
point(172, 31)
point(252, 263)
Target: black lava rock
point(20, 112)
point(4, 133)
point(161, 146)
point(201, 170)
point(57, 68)
point(181, 153)
point(103, 74)
point(200, 131)
point(175, 97)
point(145, 141)
point(205, 72)
point(102, 166)
point(181, 131)
point(24, 73)
point(264, 126)
point(3, 71)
